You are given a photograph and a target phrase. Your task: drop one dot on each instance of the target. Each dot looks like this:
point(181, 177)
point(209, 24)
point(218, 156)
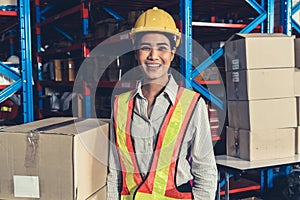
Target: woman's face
point(154, 55)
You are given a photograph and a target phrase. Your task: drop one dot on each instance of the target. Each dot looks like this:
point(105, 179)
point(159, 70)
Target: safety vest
point(160, 181)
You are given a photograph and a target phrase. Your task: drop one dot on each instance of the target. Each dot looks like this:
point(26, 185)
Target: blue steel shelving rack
point(24, 80)
point(266, 14)
point(266, 22)
point(40, 21)
point(286, 16)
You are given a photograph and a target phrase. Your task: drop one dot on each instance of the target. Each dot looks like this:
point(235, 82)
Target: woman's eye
point(163, 48)
point(145, 48)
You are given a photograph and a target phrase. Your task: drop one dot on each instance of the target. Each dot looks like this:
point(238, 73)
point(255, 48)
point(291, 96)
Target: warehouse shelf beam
point(25, 60)
point(8, 13)
point(47, 8)
point(186, 46)
point(208, 94)
point(296, 8)
point(85, 19)
point(86, 51)
point(270, 17)
point(38, 13)
point(258, 8)
point(263, 15)
point(254, 23)
point(65, 34)
point(286, 16)
point(8, 72)
point(10, 90)
point(296, 24)
point(221, 25)
point(263, 25)
point(113, 13)
point(269, 23)
point(61, 15)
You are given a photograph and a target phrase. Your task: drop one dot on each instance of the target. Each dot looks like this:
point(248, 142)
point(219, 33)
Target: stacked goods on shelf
point(297, 91)
point(260, 92)
point(60, 98)
point(59, 70)
point(54, 158)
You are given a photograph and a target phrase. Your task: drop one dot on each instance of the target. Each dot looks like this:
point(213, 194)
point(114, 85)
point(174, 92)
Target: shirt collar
point(170, 89)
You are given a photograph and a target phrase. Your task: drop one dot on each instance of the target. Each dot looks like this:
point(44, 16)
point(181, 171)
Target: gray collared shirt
point(197, 145)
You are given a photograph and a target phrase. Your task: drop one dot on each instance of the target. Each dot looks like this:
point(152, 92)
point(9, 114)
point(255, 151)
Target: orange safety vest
point(160, 181)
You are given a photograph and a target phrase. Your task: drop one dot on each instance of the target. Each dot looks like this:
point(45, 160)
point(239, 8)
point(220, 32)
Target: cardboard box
point(8, 3)
point(58, 69)
point(260, 144)
point(297, 139)
point(260, 84)
point(259, 51)
point(99, 195)
point(54, 158)
point(297, 82)
point(297, 52)
point(262, 114)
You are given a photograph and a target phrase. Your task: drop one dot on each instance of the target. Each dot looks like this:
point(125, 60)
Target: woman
point(161, 145)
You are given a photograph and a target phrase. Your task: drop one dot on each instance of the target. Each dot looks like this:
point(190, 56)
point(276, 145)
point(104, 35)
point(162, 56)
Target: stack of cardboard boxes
point(55, 158)
point(260, 92)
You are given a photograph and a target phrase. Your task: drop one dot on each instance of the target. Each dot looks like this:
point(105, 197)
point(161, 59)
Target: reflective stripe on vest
point(160, 182)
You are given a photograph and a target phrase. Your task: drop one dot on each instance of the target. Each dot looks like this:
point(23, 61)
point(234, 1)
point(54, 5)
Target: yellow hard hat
point(156, 20)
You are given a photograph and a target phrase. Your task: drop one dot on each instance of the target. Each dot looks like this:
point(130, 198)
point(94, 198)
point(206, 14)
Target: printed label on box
point(26, 186)
point(235, 64)
point(235, 77)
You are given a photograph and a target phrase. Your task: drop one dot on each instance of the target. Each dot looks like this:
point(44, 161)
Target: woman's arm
point(204, 168)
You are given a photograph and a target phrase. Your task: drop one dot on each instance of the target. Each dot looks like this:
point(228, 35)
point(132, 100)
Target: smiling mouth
point(153, 66)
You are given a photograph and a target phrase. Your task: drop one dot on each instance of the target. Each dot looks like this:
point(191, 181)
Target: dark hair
point(171, 37)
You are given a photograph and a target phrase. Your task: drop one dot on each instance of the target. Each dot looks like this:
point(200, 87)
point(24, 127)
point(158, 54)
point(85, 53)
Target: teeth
point(153, 65)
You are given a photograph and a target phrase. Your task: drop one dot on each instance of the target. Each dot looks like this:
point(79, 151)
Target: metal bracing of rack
point(286, 16)
point(266, 14)
point(23, 80)
point(41, 21)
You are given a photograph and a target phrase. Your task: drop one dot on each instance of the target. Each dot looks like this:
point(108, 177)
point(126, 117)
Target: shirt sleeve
point(114, 178)
point(204, 169)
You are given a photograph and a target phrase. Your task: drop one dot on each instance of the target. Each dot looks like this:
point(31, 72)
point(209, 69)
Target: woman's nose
point(153, 54)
